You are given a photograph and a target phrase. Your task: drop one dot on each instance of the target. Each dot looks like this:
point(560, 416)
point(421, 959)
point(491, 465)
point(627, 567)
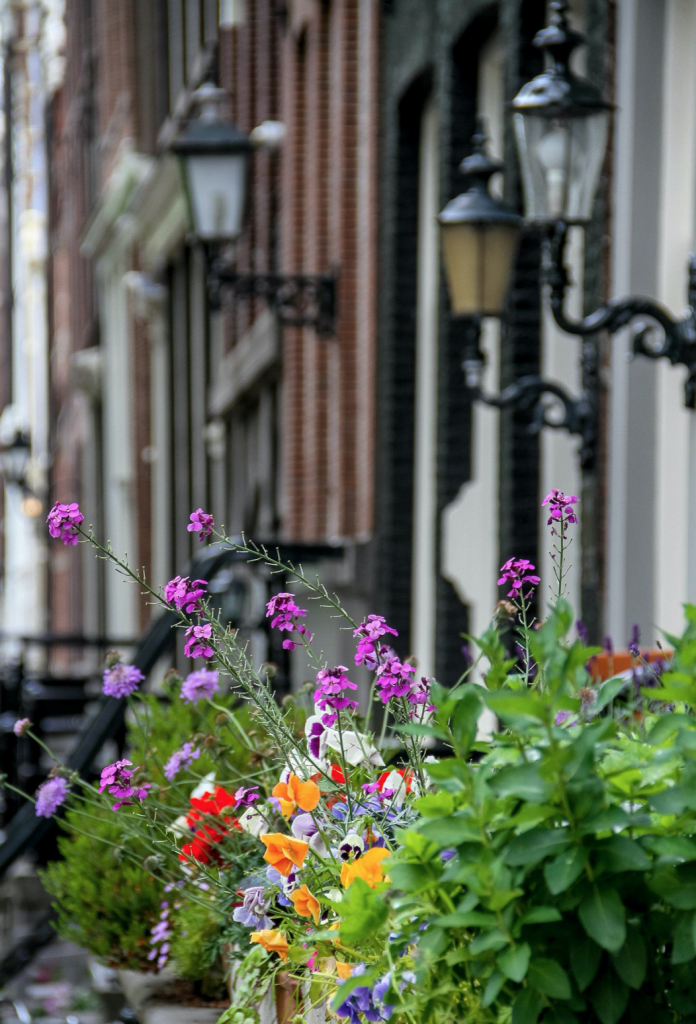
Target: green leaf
point(623, 854)
point(679, 847)
point(604, 919)
point(550, 978)
point(527, 1006)
point(560, 1015)
point(466, 919)
point(683, 946)
point(492, 989)
point(415, 729)
point(363, 912)
point(465, 719)
point(667, 725)
point(516, 705)
point(609, 998)
point(585, 956)
point(561, 872)
point(524, 782)
point(449, 831)
point(434, 804)
point(631, 962)
point(608, 691)
point(541, 915)
point(533, 846)
point(495, 939)
point(515, 961)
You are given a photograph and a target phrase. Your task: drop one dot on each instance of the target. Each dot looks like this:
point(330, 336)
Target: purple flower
point(363, 1000)
point(317, 736)
point(246, 796)
point(394, 680)
point(116, 778)
point(446, 855)
point(284, 613)
point(583, 634)
point(181, 760)
point(562, 717)
point(351, 846)
point(200, 685)
point(50, 795)
point(608, 646)
point(369, 632)
point(201, 523)
point(518, 571)
point(21, 726)
point(121, 680)
point(561, 510)
point(196, 645)
point(634, 640)
point(254, 907)
point(185, 594)
point(329, 693)
point(63, 521)
point(160, 936)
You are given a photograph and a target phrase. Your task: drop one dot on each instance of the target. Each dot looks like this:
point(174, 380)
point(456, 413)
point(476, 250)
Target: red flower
point(208, 836)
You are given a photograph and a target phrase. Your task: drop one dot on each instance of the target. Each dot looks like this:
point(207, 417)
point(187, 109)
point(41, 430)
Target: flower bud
point(288, 700)
point(222, 718)
point(269, 669)
point(153, 862)
point(210, 741)
point(113, 658)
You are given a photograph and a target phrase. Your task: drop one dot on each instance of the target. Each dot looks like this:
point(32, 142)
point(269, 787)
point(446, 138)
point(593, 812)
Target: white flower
point(396, 785)
point(357, 749)
point(180, 826)
point(253, 822)
point(317, 844)
point(206, 785)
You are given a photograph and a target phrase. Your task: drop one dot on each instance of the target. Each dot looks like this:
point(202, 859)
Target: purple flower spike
point(332, 682)
point(201, 523)
point(185, 594)
point(369, 632)
point(50, 795)
point(116, 778)
point(181, 760)
point(561, 511)
point(63, 521)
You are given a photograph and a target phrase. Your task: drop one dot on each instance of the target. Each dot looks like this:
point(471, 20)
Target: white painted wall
point(470, 522)
point(425, 468)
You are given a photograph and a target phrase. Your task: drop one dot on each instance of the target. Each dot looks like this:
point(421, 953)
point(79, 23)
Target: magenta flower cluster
point(50, 795)
point(394, 679)
point(330, 693)
point(200, 685)
point(181, 760)
point(517, 572)
point(369, 633)
point(201, 523)
point(63, 521)
point(116, 778)
point(561, 510)
point(284, 613)
point(121, 680)
point(185, 594)
point(198, 641)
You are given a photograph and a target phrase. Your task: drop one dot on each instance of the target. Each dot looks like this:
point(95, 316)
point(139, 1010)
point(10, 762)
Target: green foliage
point(105, 901)
point(251, 983)
point(569, 894)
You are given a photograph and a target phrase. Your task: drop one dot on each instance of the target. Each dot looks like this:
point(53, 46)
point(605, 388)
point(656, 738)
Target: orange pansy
point(273, 941)
point(306, 904)
point(283, 852)
point(344, 971)
point(296, 793)
point(368, 867)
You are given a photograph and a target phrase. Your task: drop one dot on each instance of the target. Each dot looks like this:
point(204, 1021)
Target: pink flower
point(116, 778)
point(63, 521)
point(121, 680)
point(21, 726)
point(196, 645)
point(50, 795)
point(283, 612)
point(201, 523)
point(560, 510)
point(199, 685)
point(185, 594)
point(394, 680)
point(518, 571)
point(329, 694)
point(369, 632)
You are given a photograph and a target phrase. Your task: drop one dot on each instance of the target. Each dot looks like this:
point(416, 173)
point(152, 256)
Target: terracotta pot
point(604, 666)
point(287, 997)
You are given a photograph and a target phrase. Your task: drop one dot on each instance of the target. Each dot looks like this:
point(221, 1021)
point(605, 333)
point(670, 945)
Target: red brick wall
point(321, 59)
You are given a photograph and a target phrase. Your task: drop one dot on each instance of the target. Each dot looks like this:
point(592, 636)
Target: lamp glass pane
point(478, 264)
point(217, 192)
point(561, 160)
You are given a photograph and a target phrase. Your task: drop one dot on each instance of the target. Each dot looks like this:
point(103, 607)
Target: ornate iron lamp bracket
point(551, 404)
point(677, 339)
point(298, 300)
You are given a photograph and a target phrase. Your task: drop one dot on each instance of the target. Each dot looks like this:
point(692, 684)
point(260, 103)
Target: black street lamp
point(215, 158)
